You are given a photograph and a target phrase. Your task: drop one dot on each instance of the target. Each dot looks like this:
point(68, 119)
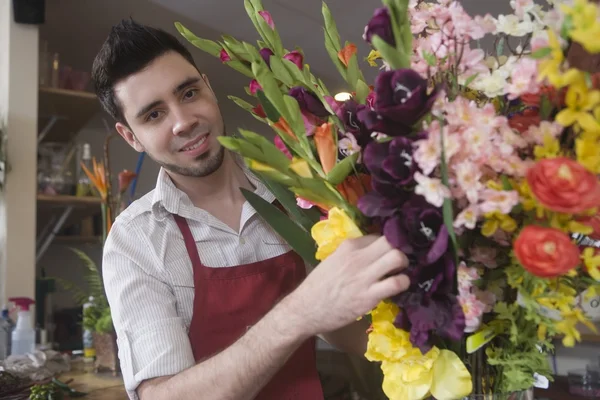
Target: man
point(207, 301)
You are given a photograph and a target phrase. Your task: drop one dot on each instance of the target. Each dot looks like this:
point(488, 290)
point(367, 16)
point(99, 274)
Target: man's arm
point(243, 369)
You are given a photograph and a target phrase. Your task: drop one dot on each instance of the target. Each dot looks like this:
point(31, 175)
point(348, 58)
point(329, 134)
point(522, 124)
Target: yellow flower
point(495, 221)
point(588, 153)
point(580, 102)
point(568, 326)
point(373, 56)
point(300, 167)
point(549, 149)
point(330, 233)
point(409, 374)
point(585, 27)
point(591, 259)
point(550, 69)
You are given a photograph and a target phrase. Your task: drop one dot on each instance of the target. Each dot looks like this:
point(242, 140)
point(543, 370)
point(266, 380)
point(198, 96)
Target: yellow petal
point(566, 117)
point(451, 379)
point(330, 233)
point(301, 167)
point(489, 227)
point(396, 388)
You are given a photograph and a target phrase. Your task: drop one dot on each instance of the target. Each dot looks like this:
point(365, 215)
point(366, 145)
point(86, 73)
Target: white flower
point(349, 146)
point(512, 26)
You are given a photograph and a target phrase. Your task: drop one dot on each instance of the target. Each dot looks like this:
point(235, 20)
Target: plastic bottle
point(89, 351)
point(23, 336)
point(84, 185)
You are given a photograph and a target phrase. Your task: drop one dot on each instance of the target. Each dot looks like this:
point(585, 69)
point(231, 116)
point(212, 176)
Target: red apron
point(227, 301)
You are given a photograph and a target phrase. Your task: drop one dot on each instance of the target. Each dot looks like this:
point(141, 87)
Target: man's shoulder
point(139, 210)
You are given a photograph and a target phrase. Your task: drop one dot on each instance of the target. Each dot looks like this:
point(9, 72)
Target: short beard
point(210, 164)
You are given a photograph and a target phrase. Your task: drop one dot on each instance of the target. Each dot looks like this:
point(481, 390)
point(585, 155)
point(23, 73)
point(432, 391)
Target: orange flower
point(346, 53)
point(98, 178)
point(563, 185)
point(326, 146)
point(354, 187)
point(283, 126)
point(546, 252)
point(125, 179)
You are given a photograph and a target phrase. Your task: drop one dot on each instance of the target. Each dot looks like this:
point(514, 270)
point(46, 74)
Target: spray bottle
point(23, 336)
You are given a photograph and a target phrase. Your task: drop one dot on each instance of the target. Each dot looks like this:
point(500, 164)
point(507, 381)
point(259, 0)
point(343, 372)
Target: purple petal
point(439, 247)
point(374, 204)
point(395, 234)
point(374, 155)
point(266, 54)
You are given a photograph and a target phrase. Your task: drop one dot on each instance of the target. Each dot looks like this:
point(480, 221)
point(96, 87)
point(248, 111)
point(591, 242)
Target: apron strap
point(188, 238)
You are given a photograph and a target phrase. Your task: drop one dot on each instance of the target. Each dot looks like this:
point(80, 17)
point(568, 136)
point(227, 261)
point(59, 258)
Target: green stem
point(104, 221)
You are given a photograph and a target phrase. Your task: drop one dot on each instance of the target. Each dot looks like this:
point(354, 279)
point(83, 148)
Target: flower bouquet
point(482, 168)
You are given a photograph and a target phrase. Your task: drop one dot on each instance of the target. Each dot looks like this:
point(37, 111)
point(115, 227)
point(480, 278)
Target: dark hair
point(129, 48)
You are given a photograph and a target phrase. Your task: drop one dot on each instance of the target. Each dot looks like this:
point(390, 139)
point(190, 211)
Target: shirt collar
point(168, 199)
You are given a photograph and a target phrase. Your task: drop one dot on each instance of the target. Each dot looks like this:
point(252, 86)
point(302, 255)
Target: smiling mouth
point(196, 145)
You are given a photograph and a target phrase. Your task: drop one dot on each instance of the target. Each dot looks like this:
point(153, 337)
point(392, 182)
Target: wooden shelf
point(73, 240)
point(50, 206)
point(62, 113)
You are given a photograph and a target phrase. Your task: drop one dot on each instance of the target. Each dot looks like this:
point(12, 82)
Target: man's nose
point(184, 122)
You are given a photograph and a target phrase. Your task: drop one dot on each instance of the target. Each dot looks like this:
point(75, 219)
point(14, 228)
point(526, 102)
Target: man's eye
point(190, 93)
point(153, 115)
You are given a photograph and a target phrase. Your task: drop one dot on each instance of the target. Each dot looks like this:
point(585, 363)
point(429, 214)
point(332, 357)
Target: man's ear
point(129, 137)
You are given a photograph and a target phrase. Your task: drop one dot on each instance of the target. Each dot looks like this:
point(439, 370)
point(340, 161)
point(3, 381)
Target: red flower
point(546, 252)
point(563, 185)
point(522, 121)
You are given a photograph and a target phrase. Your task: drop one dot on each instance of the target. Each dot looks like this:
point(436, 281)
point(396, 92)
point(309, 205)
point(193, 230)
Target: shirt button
point(242, 240)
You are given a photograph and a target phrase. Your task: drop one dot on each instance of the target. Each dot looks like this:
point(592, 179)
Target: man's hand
point(348, 284)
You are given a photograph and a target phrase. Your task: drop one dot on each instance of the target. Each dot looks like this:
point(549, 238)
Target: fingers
point(391, 262)
point(389, 287)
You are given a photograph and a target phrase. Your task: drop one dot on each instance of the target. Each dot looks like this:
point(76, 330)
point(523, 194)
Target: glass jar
point(584, 383)
point(521, 395)
point(55, 172)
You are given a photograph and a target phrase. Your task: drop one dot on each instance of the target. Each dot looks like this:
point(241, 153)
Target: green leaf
point(281, 72)
point(294, 71)
point(294, 235)
point(471, 79)
point(241, 103)
point(266, 80)
point(271, 155)
point(396, 18)
point(205, 45)
point(506, 183)
point(448, 212)
point(331, 30)
point(243, 147)
point(241, 67)
point(295, 118)
point(229, 143)
point(333, 55)
point(362, 91)
point(272, 113)
point(342, 169)
point(500, 47)
point(305, 218)
point(546, 107)
point(395, 58)
point(541, 53)
point(430, 58)
point(353, 74)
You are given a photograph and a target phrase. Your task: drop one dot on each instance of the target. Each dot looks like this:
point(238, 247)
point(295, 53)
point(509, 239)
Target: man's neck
point(222, 186)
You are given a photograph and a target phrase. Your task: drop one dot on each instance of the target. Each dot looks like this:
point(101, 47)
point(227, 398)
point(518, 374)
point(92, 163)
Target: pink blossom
point(486, 23)
point(468, 178)
point(501, 201)
point(282, 147)
point(310, 123)
point(467, 218)
point(224, 56)
point(473, 310)
point(521, 7)
point(302, 203)
point(333, 103)
point(472, 62)
point(523, 78)
point(254, 87)
point(428, 152)
point(546, 129)
point(485, 255)
point(267, 17)
point(432, 189)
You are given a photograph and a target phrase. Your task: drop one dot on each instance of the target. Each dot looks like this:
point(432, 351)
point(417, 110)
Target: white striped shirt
point(149, 279)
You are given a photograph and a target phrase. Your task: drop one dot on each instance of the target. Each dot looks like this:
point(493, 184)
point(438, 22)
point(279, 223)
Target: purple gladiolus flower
point(224, 56)
point(308, 102)
point(254, 86)
point(429, 306)
point(380, 25)
point(418, 230)
point(347, 113)
point(391, 162)
point(402, 96)
point(266, 54)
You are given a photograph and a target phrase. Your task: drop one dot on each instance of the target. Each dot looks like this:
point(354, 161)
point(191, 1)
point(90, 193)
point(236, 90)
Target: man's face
point(173, 116)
